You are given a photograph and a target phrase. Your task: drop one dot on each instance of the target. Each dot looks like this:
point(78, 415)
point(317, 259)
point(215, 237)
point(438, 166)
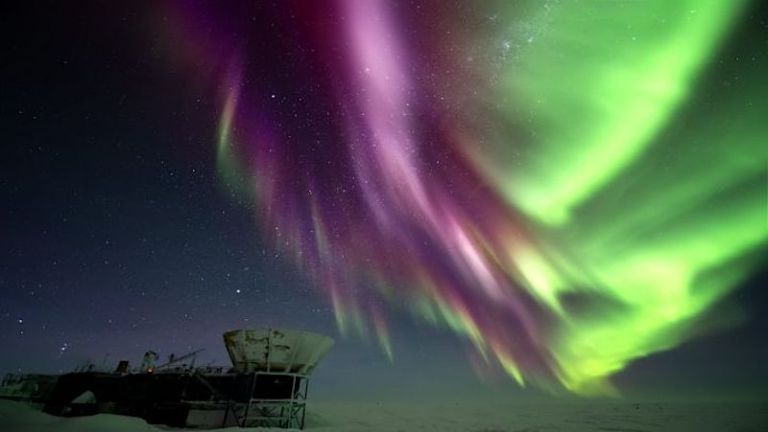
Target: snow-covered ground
point(512, 417)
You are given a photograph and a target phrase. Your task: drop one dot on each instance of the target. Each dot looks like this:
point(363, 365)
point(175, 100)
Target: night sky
point(173, 170)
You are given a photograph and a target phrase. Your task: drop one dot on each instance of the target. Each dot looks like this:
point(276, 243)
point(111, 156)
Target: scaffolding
point(285, 411)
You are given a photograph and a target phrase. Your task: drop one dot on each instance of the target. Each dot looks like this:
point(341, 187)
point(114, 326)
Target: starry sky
point(412, 178)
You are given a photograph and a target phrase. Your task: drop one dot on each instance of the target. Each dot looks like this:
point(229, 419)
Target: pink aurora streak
point(387, 208)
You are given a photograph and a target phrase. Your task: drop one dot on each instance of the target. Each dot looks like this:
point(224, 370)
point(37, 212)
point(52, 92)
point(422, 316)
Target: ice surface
point(511, 417)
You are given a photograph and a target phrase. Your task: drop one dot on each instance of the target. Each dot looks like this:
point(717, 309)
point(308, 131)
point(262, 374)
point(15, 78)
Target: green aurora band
point(662, 202)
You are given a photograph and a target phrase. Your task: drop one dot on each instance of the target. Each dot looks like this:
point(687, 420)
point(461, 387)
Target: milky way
point(516, 171)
